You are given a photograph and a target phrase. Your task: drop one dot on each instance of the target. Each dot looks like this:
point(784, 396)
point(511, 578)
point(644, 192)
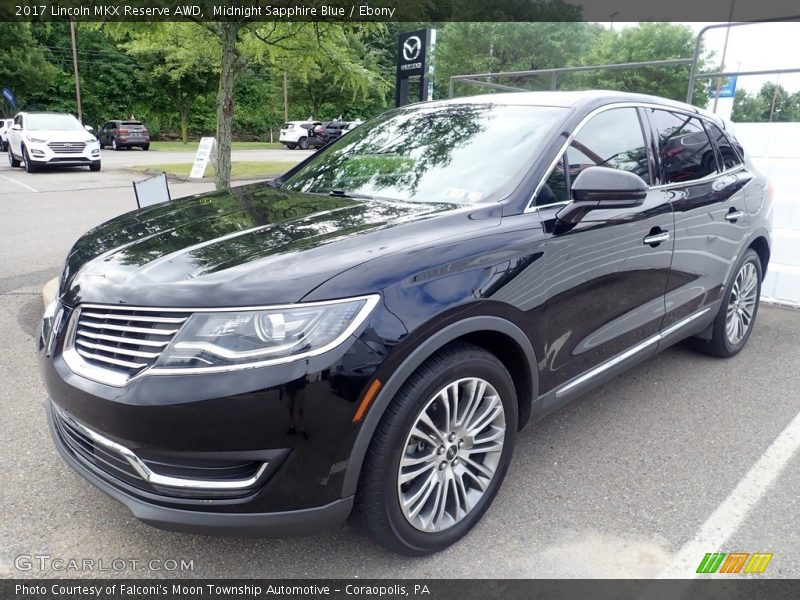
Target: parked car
point(376, 325)
point(296, 134)
point(326, 132)
point(40, 139)
point(352, 125)
point(5, 125)
point(124, 134)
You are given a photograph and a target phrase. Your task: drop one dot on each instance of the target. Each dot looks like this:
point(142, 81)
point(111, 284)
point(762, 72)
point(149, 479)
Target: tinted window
point(613, 138)
point(727, 153)
point(684, 150)
point(463, 153)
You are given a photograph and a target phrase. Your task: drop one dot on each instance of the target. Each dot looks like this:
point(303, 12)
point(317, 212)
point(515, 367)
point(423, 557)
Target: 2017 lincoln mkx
point(374, 327)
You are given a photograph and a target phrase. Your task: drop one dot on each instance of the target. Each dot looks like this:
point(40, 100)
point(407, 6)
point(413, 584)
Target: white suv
point(41, 139)
point(5, 125)
point(295, 134)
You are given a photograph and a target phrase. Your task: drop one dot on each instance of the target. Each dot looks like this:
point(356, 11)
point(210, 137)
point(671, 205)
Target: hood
point(250, 245)
point(60, 135)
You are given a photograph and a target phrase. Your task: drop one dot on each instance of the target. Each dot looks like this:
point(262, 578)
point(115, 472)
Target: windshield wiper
point(338, 193)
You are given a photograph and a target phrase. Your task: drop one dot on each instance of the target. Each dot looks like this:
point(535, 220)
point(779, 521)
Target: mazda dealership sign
point(413, 50)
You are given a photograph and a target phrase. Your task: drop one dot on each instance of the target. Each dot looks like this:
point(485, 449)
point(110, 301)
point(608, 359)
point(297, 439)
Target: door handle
point(734, 215)
point(654, 239)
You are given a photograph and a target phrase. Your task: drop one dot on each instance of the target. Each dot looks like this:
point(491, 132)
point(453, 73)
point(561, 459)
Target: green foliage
point(772, 103)
point(23, 65)
point(645, 42)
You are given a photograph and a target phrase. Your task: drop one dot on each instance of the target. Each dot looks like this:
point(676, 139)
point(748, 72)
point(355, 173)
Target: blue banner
point(728, 89)
point(9, 96)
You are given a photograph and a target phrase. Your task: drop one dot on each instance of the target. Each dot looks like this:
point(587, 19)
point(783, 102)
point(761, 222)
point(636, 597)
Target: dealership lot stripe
point(729, 515)
point(27, 187)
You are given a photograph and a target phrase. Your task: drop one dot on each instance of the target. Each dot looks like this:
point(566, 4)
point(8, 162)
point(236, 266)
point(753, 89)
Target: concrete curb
point(50, 290)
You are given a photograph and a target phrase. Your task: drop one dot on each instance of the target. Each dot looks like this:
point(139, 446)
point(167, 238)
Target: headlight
point(251, 338)
point(34, 140)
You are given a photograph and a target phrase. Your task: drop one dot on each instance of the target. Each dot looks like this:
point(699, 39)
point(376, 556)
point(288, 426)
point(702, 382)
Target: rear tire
point(440, 452)
point(146, 147)
point(114, 146)
point(737, 314)
point(303, 143)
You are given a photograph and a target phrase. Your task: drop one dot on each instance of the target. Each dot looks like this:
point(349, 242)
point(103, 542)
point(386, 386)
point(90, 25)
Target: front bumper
point(44, 154)
point(279, 524)
point(297, 418)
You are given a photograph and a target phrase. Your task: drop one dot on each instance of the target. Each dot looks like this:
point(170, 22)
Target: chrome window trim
point(531, 207)
point(115, 379)
point(150, 476)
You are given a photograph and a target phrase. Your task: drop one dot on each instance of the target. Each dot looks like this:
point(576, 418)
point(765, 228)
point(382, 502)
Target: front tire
point(11, 160)
point(95, 166)
point(737, 314)
point(440, 452)
point(30, 166)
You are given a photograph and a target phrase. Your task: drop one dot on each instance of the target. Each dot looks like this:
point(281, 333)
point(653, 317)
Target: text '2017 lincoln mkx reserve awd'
point(374, 327)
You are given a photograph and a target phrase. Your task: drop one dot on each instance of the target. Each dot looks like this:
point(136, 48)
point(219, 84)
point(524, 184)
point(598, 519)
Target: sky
point(753, 47)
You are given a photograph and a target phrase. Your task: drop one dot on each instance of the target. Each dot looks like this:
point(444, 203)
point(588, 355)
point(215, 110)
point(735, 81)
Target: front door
point(608, 273)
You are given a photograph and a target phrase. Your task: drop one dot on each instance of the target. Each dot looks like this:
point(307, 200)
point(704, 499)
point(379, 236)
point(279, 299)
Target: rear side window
point(728, 155)
point(684, 150)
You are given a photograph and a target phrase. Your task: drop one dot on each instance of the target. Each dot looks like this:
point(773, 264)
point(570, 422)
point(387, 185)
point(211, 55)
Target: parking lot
point(654, 467)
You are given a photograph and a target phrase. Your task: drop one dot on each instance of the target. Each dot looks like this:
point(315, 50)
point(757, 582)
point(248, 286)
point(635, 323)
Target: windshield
point(52, 121)
point(465, 153)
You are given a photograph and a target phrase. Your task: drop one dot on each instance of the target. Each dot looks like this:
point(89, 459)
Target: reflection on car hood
point(248, 245)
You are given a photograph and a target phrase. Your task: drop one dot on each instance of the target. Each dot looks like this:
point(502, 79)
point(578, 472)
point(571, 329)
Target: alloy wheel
point(451, 454)
point(741, 303)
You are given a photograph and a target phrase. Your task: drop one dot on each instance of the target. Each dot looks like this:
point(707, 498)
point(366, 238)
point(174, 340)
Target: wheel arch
point(761, 246)
point(499, 336)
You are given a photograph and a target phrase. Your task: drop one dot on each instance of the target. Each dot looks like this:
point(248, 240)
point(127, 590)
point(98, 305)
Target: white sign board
point(204, 151)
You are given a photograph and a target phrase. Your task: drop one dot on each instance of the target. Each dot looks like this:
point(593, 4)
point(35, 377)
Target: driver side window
point(614, 138)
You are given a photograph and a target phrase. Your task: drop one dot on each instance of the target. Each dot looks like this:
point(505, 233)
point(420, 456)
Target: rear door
point(705, 187)
point(607, 275)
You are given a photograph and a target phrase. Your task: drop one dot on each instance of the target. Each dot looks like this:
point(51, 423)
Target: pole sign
point(203, 156)
point(728, 89)
point(413, 54)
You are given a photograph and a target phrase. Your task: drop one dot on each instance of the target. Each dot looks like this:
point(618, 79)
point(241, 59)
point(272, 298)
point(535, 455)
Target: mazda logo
point(411, 48)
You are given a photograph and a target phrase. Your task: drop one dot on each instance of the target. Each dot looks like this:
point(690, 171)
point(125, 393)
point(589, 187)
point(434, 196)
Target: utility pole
point(75, 69)
point(724, 51)
point(285, 97)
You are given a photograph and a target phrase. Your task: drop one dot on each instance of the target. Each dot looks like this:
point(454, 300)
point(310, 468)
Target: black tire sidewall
point(413, 540)
point(720, 324)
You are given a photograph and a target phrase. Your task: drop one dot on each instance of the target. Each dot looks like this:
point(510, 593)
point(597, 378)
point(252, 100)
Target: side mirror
point(16, 127)
point(88, 128)
point(602, 187)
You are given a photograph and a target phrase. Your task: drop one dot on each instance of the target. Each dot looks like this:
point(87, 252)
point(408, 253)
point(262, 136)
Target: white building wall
point(775, 150)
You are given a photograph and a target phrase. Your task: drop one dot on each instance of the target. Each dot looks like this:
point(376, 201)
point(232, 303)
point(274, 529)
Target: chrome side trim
point(620, 358)
point(152, 477)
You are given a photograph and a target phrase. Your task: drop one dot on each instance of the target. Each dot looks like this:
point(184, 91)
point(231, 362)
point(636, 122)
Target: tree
point(181, 64)
point(772, 103)
point(464, 48)
point(23, 66)
point(646, 42)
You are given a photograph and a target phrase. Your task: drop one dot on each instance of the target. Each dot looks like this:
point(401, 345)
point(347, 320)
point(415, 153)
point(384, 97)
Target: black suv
point(377, 325)
point(124, 134)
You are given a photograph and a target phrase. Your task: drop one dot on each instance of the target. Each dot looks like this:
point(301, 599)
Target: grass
point(192, 146)
point(244, 169)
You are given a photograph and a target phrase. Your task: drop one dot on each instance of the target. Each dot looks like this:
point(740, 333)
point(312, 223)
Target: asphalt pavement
point(614, 485)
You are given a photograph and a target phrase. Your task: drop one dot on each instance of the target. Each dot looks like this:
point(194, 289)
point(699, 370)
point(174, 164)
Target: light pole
point(75, 69)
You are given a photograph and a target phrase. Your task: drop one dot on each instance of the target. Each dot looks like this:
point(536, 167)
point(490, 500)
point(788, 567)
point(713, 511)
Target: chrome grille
point(67, 147)
point(125, 340)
